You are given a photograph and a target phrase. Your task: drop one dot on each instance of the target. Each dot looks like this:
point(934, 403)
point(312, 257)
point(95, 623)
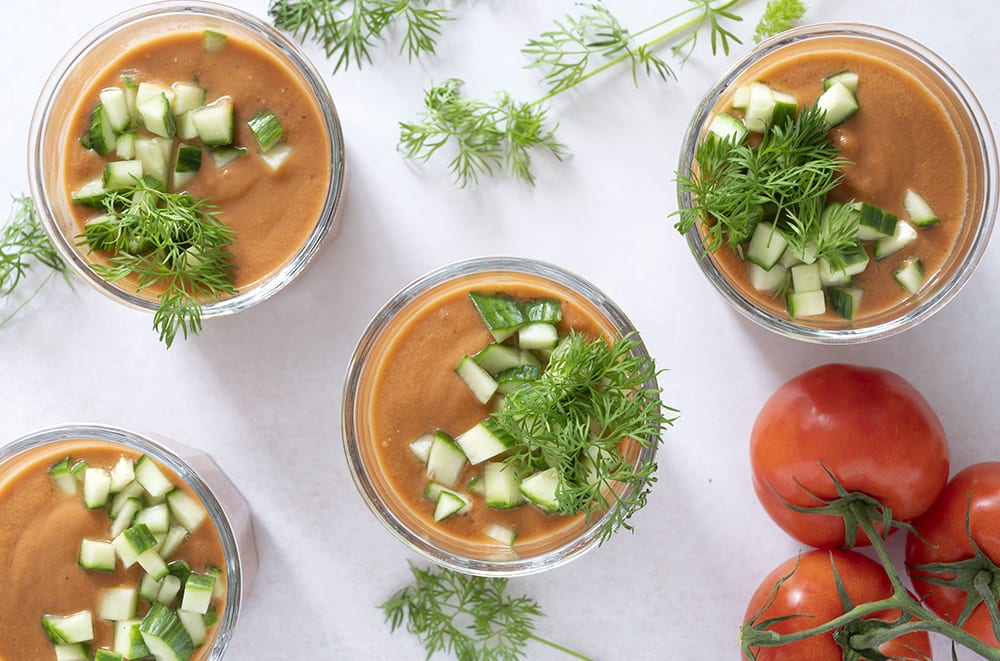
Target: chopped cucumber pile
point(525, 334)
point(149, 520)
point(810, 283)
point(160, 130)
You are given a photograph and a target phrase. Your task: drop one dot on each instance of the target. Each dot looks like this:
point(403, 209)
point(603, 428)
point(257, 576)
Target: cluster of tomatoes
point(870, 431)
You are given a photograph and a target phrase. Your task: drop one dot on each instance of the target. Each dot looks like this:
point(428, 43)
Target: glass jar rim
point(580, 543)
point(979, 127)
point(217, 513)
point(327, 222)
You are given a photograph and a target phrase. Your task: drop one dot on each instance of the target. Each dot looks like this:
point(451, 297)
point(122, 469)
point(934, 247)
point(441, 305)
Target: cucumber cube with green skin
point(760, 107)
point(108, 655)
point(910, 275)
point(276, 155)
point(117, 604)
point(421, 447)
point(845, 300)
point(122, 474)
point(548, 310)
point(187, 97)
point(786, 108)
point(128, 640)
point(727, 127)
point(537, 335)
point(512, 377)
point(501, 313)
point(214, 41)
point(97, 555)
point(226, 154)
point(185, 509)
point(479, 381)
point(445, 460)
point(502, 534)
point(484, 441)
point(265, 128)
point(875, 222)
point(69, 629)
point(72, 652)
point(838, 102)
point(806, 303)
point(500, 485)
point(156, 116)
point(194, 623)
point(152, 479)
point(766, 246)
point(96, 487)
point(99, 136)
point(541, 487)
point(496, 357)
point(164, 634)
point(449, 503)
point(61, 476)
point(198, 593)
point(920, 212)
point(214, 122)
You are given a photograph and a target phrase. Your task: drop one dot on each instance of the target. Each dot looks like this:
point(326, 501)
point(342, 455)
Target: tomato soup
point(41, 529)
point(408, 386)
point(273, 211)
point(911, 132)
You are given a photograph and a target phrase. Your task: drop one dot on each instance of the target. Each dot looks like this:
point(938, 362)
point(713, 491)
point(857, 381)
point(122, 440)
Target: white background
point(261, 391)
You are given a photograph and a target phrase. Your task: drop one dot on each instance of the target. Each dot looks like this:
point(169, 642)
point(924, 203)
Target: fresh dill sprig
point(788, 175)
point(23, 243)
point(171, 242)
point(486, 135)
point(592, 397)
point(575, 50)
point(779, 15)
point(471, 617)
point(349, 30)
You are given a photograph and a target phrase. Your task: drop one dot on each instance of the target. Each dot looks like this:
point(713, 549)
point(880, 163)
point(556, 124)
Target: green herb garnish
point(349, 29)
point(471, 617)
point(168, 241)
point(779, 15)
point(735, 186)
point(23, 243)
point(591, 396)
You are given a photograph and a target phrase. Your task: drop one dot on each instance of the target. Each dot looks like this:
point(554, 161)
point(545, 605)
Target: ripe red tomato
point(869, 427)
point(812, 591)
point(945, 540)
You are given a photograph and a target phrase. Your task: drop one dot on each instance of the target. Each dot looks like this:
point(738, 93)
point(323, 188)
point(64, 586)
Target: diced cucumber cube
point(830, 277)
point(174, 538)
point(116, 108)
point(500, 485)
point(91, 193)
point(766, 246)
point(805, 277)
point(450, 503)
point(147, 91)
point(131, 490)
point(128, 640)
point(186, 509)
point(184, 126)
point(122, 474)
point(510, 378)
point(187, 158)
point(152, 479)
point(72, 652)
point(767, 280)
point(194, 623)
point(214, 122)
point(875, 222)
point(760, 107)
point(903, 236)
point(727, 127)
point(97, 555)
point(848, 79)
point(99, 136)
point(276, 155)
point(541, 487)
point(124, 550)
point(156, 518)
point(484, 441)
point(104, 654)
point(741, 97)
point(150, 154)
point(187, 97)
point(495, 357)
point(61, 476)
point(123, 518)
point(266, 129)
point(445, 460)
point(910, 275)
point(77, 469)
point(806, 303)
point(198, 593)
point(69, 629)
point(502, 534)
point(223, 156)
point(139, 538)
point(845, 300)
point(421, 447)
point(156, 116)
point(214, 41)
point(838, 102)
point(920, 213)
point(122, 174)
point(153, 564)
point(475, 485)
point(170, 587)
point(96, 487)
point(537, 335)
point(149, 587)
point(117, 604)
point(478, 380)
point(165, 635)
point(501, 313)
point(786, 107)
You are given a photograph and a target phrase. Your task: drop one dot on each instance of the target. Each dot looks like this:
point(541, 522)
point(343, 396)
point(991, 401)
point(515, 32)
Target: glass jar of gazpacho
point(442, 366)
point(838, 184)
point(177, 101)
point(113, 541)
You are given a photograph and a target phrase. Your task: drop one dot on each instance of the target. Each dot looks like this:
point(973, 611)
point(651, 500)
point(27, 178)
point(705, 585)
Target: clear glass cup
point(87, 58)
point(974, 135)
point(372, 480)
point(227, 509)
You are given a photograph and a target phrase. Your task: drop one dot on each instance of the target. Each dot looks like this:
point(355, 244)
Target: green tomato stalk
point(861, 637)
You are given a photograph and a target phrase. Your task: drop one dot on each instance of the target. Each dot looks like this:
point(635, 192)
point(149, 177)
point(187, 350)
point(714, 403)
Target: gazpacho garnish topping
point(150, 518)
point(563, 407)
point(164, 240)
point(760, 186)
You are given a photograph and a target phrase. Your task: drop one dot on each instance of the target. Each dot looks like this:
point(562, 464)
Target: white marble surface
point(261, 391)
